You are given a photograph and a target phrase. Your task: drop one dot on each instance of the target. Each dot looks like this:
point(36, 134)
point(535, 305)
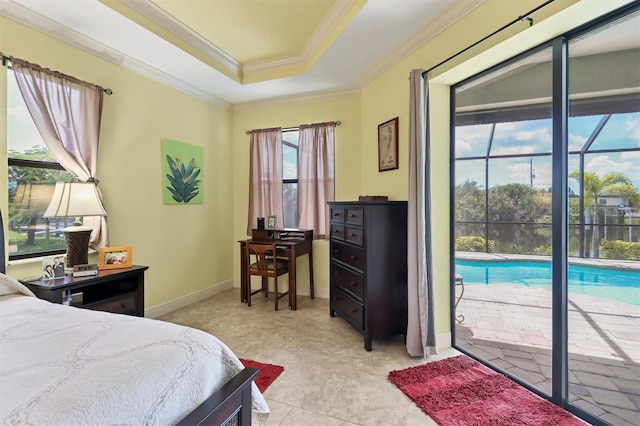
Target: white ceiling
point(336, 58)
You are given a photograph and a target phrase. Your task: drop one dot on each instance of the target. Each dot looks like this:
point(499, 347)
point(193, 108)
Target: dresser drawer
point(354, 215)
point(337, 214)
point(354, 235)
point(337, 231)
point(122, 304)
point(353, 256)
point(347, 307)
point(350, 281)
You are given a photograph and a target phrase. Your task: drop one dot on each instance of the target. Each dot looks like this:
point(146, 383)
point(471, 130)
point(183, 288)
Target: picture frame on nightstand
point(53, 267)
point(115, 257)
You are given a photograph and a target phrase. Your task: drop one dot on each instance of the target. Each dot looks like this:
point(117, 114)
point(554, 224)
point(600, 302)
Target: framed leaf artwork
point(182, 173)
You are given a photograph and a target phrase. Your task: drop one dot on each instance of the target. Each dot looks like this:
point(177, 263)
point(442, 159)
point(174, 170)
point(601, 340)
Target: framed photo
point(115, 257)
point(271, 222)
point(53, 267)
point(388, 145)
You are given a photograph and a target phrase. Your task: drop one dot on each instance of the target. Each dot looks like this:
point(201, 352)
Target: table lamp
point(75, 199)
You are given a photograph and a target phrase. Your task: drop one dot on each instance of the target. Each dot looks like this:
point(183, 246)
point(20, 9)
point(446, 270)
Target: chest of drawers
point(368, 270)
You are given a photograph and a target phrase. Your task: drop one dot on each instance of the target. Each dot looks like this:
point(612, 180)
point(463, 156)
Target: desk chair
point(264, 264)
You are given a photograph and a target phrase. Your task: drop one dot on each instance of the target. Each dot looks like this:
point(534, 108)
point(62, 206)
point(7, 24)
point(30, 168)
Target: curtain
point(67, 113)
point(421, 336)
point(316, 176)
point(265, 177)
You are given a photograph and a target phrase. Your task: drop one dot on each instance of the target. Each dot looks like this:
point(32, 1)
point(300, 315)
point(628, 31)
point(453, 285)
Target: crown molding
point(18, 13)
point(419, 39)
point(23, 16)
point(161, 77)
point(156, 14)
point(322, 33)
point(286, 101)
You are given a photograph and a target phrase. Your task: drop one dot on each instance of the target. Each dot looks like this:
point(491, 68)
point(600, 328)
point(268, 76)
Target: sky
point(530, 137)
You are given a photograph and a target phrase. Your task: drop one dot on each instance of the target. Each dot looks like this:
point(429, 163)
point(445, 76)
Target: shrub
point(542, 250)
point(473, 244)
point(617, 249)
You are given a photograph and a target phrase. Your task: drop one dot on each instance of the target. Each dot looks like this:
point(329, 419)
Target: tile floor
point(510, 326)
point(329, 378)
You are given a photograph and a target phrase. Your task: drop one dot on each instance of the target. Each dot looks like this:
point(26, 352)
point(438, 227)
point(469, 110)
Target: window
point(290, 178)
point(33, 171)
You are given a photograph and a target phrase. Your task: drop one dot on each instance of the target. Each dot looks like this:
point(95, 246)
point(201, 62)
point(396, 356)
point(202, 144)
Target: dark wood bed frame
point(230, 405)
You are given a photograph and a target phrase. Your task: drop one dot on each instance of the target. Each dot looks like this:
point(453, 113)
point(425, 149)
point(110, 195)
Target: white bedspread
point(61, 365)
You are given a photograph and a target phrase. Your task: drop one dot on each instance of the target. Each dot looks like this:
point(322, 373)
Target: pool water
point(614, 284)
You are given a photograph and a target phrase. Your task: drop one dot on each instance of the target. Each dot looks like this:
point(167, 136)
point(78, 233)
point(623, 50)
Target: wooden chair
point(264, 264)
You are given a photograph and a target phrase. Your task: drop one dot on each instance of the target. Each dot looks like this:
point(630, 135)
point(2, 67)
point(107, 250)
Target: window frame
point(30, 164)
point(291, 181)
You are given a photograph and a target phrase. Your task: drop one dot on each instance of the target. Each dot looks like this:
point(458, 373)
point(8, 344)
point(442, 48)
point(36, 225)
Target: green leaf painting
point(182, 170)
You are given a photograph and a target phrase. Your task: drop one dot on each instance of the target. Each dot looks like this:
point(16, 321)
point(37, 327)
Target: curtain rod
point(291, 129)
point(5, 63)
point(520, 18)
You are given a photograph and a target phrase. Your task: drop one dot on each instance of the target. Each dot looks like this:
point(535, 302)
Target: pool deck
point(599, 263)
point(510, 326)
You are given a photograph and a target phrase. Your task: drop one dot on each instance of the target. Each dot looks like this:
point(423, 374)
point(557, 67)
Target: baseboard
point(181, 302)
point(443, 341)
point(322, 293)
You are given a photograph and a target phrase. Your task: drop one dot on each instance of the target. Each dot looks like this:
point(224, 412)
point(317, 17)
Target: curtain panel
point(265, 177)
point(67, 113)
point(316, 176)
point(421, 340)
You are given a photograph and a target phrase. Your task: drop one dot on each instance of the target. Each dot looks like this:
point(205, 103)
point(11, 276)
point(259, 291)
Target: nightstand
point(120, 291)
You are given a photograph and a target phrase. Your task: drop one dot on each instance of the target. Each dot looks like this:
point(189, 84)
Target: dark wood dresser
point(368, 255)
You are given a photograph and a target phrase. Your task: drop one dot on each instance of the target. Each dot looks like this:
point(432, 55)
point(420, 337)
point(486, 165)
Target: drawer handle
point(336, 214)
point(336, 251)
point(353, 257)
point(353, 215)
point(336, 274)
point(354, 310)
point(353, 234)
point(336, 231)
point(353, 283)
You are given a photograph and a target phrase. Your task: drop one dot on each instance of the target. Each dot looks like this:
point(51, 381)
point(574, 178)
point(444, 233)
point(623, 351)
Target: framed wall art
point(115, 257)
point(181, 173)
point(388, 145)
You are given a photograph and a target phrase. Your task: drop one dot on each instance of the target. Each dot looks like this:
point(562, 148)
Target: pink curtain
point(316, 176)
point(265, 177)
point(67, 113)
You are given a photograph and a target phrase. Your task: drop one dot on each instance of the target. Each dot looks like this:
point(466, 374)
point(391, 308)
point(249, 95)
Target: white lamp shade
point(75, 199)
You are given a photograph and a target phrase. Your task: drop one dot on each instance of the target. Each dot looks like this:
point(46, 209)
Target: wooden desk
point(290, 249)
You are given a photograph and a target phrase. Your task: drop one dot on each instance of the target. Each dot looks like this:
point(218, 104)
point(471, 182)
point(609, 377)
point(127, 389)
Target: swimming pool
point(614, 284)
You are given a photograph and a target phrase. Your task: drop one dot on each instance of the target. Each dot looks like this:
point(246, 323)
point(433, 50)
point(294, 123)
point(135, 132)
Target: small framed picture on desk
point(271, 222)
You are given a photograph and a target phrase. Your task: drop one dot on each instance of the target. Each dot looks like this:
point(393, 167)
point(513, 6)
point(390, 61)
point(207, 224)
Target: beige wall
point(175, 241)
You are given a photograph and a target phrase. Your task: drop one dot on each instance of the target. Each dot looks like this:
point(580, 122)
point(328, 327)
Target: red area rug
point(460, 391)
point(268, 372)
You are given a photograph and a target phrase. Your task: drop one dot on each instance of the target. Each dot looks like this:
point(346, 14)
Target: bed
point(62, 365)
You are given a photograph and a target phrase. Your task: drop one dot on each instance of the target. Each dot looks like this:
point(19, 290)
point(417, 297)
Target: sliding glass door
point(546, 219)
point(503, 145)
point(604, 174)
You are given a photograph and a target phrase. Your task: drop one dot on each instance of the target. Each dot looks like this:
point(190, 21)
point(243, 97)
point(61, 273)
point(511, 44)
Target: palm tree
point(593, 187)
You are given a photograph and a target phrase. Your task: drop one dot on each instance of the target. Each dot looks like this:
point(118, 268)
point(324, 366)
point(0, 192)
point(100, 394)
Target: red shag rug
point(268, 372)
point(461, 391)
